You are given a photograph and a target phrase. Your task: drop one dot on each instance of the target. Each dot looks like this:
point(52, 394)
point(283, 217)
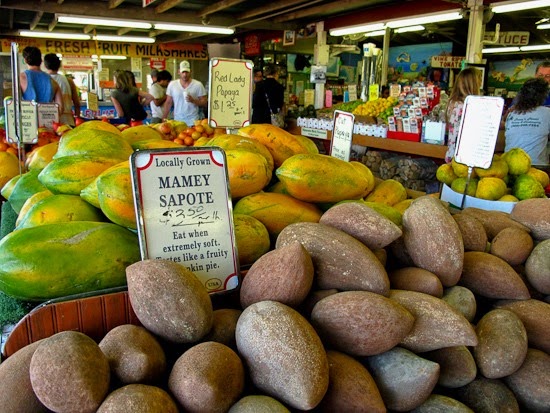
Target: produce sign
point(342, 135)
point(29, 121)
point(185, 213)
point(230, 93)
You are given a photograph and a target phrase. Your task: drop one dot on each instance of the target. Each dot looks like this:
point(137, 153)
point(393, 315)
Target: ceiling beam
point(52, 24)
point(269, 8)
point(88, 28)
point(167, 5)
point(325, 9)
point(123, 30)
point(220, 5)
point(36, 20)
point(113, 4)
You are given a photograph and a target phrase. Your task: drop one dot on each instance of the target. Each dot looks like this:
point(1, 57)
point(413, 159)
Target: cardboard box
point(455, 200)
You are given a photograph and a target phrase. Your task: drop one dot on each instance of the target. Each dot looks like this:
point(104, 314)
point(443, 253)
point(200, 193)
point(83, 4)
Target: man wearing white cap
point(186, 94)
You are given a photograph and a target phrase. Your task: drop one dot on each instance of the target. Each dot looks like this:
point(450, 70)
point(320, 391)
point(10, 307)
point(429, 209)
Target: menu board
point(477, 135)
point(229, 93)
point(342, 135)
point(184, 212)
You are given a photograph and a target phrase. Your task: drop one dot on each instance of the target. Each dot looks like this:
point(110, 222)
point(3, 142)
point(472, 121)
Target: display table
point(392, 145)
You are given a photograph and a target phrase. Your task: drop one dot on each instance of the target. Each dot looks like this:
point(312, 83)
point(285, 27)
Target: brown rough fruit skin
point(531, 382)
point(535, 316)
point(457, 365)
point(223, 327)
point(404, 379)
point(513, 245)
point(416, 279)
point(537, 267)
point(502, 344)
point(284, 355)
point(17, 394)
point(473, 232)
point(284, 275)
point(534, 214)
point(138, 398)
point(340, 261)
point(436, 323)
point(492, 277)
point(461, 299)
point(361, 323)
point(313, 298)
point(169, 300)
point(488, 395)
point(134, 354)
point(258, 403)
point(362, 222)
point(433, 239)
point(207, 377)
point(69, 373)
point(437, 403)
point(351, 387)
point(493, 221)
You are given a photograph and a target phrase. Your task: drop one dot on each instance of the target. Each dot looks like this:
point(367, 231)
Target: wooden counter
point(393, 145)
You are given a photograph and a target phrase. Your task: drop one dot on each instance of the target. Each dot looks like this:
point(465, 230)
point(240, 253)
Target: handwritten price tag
point(184, 212)
point(342, 135)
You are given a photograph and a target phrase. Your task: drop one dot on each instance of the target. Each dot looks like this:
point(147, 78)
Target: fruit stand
point(356, 293)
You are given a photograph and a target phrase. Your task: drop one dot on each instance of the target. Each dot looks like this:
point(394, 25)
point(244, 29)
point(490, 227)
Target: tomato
point(56, 125)
point(136, 123)
point(78, 121)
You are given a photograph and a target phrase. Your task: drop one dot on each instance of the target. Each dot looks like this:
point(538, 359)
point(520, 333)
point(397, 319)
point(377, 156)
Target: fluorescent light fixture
point(195, 28)
point(375, 33)
point(103, 22)
point(54, 35)
point(543, 26)
point(535, 47)
point(111, 57)
point(133, 39)
point(509, 6)
point(432, 18)
point(362, 28)
point(500, 50)
point(415, 28)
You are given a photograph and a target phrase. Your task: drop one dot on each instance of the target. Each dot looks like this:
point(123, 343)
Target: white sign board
point(478, 131)
point(342, 135)
point(184, 212)
point(230, 93)
point(48, 113)
point(29, 121)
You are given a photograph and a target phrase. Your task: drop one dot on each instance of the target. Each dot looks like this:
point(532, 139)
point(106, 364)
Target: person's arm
point(58, 96)
point(158, 100)
point(75, 97)
point(199, 101)
point(167, 106)
point(117, 106)
point(145, 98)
point(23, 81)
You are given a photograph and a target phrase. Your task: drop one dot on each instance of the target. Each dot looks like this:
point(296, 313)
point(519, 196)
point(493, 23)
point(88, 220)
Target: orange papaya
point(41, 156)
point(248, 172)
point(141, 133)
point(93, 143)
point(9, 167)
point(251, 237)
point(307, 143)
point(388, 192)
point(116, 198)
point(320, 178)
point(98, 125)
point(39, 196)
point(155, 144)
point(89, 192)
point(229, 142)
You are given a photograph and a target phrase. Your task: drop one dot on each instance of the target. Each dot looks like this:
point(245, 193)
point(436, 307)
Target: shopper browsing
point(68, 90)
point(186, 95)
point(467, 82)
point(158, 91)
point(268, 96)
point(543, 72)
point(528, 122)
point(128, 99)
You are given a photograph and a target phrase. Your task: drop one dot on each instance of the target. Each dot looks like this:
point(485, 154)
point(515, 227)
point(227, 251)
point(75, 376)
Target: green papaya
point(65, 258)
point(24, 188)
point(94, 143)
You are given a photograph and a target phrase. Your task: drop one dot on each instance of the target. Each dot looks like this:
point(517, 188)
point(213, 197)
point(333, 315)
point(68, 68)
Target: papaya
point(97, 125)
point(280, 143)
point(155, 144)
point(71, 174)
point(9, 167)
point(307, 143)
point(367, 173)
point(29, 204)
point(7, 188)
point(24, 188)
point(93, 143)
point(320, 178)
point(277, 211)
point(251, 237)
point(277, 187)
point(141, 133)
point(229, 142)
point(41, 156)
point(403, 205)
point(59, 208)
point(388, 192)
point(65, 258)
point(116, 198)
point(388, 211)
point(89, 192)
point(248, 172)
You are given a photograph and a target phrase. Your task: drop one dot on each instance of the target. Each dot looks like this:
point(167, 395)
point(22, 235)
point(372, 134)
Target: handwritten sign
point(447, 62)
point(478, 131)
point(342, 135)
point(230, 93)
point(184, 212)
point(352, 89)
point(29, 121)
point(93, 101)
point(48, 113)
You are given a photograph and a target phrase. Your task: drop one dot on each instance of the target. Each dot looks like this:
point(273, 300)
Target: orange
point(179, 141)
point(189, 141)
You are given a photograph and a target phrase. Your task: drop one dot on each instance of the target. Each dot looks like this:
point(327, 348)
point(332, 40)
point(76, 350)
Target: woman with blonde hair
point(467, 82)
point(128, 99)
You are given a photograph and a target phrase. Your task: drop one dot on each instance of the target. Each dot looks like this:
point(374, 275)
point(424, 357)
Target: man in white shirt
point(158, 91)
point(186, 94)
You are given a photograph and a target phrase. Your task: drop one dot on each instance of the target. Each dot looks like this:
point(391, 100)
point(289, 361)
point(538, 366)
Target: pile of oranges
point(6, 146)
point(201, 129)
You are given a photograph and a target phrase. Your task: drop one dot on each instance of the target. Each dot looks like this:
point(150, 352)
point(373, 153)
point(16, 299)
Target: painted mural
point(411, 63)
point(510, 74)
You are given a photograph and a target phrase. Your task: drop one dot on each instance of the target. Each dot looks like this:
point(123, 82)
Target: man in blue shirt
point(543, 71)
